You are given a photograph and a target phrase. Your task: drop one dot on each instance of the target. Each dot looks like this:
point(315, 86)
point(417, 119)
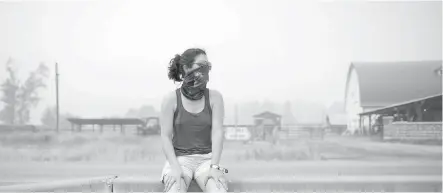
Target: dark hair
point(187, 58)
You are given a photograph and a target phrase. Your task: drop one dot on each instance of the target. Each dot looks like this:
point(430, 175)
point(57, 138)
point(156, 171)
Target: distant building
point(373, 85)
point(336, 118)
point(266, 124)
point(336, 123)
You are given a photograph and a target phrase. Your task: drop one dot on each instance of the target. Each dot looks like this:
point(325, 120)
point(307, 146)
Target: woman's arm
point(218, 112)
point(166, 121)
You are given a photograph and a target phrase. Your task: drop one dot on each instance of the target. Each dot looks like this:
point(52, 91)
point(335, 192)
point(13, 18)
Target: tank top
point(192, 131)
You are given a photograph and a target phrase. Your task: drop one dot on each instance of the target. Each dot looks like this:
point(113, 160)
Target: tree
point(246, 111)
point(288, 117)
point(132, 113)
point(143, 112)
point(268, 105)
point(20, 98)
point(9, 89)
point(49, 118)
point(147, 111)
point(28, 95)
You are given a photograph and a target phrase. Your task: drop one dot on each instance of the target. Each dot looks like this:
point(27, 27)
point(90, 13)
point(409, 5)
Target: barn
point(374, 85)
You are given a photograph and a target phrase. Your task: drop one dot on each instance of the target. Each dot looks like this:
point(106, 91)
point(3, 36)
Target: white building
point(372, 85)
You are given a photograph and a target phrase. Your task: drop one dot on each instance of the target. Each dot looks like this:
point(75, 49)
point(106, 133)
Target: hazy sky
point(113, 55)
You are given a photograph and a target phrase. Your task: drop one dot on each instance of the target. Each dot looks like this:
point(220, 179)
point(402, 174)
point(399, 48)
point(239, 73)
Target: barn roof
point(387, 83)
point(435, 100)
point(124, 121)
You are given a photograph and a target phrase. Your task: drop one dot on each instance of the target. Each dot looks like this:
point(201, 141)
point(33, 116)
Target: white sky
point(113, 55)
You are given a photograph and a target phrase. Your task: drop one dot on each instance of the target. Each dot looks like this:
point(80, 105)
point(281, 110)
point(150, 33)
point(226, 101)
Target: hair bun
point(174, 68)
point(177, 60)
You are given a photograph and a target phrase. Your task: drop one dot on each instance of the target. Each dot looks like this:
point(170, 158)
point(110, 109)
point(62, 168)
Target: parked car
point(151, 126)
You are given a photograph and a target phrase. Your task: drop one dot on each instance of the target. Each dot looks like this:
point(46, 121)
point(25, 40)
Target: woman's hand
point(218, 177)
point(175, 176)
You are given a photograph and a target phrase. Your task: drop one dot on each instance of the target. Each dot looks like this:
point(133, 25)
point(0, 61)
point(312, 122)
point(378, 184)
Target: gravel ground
point(336, 156)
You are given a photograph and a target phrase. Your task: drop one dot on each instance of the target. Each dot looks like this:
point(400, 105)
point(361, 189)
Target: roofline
point(350, 70)
point(72, 118)
point(351, 67)
point(400, 104)
point(258, 115)
point(374, 106)
point(105, 121)
point(354, 63)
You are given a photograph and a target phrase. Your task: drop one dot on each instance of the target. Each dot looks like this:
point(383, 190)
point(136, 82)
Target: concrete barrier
point(123, 184)
point(98, 184)
point(302, 183)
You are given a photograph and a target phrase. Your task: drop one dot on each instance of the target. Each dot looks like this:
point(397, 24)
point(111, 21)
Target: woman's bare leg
point(184, 186)
point(211, 186)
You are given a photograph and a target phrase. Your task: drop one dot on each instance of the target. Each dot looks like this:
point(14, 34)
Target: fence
point(286, 132)
point(297, 132)
point(414, 131)
point(20, 128)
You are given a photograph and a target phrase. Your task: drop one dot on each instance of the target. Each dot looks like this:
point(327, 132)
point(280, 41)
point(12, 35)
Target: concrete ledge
point(317, 183)
point(98, 184)
point(143, 184)
point(122, 184)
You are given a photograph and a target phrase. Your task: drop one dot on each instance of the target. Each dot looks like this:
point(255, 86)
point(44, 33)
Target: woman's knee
point(212, 186)
point(184, 185)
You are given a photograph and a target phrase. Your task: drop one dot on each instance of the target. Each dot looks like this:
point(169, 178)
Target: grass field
point(26, 157)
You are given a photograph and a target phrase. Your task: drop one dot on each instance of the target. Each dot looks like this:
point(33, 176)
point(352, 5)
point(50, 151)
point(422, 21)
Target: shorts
point(193, 166)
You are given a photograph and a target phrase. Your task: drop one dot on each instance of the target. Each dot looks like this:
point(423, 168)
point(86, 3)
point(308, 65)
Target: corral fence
point(302, 131)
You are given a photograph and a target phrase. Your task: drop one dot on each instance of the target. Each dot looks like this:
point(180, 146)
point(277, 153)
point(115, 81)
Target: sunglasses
point(204, 64)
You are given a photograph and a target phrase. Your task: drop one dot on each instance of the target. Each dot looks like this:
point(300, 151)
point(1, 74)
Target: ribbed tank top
point(192, 131)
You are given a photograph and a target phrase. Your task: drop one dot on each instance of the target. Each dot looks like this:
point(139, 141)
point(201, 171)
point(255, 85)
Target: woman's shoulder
point(215, 95)
point(169, 98)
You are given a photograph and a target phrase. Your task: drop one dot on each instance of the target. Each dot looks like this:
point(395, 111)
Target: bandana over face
point(195, 81)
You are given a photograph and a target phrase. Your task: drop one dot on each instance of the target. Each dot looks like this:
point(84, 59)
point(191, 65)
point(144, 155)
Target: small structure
point(336, 123)
point(376, 85)
point(78, 122)
point(266, 125)
point(419, 119)
point(151, 126)
point(336, 118)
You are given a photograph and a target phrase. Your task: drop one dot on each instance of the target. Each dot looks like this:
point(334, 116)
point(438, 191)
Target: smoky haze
point(113, 56)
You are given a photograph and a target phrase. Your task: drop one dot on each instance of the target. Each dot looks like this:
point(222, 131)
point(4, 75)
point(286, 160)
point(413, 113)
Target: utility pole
point(56, 90)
